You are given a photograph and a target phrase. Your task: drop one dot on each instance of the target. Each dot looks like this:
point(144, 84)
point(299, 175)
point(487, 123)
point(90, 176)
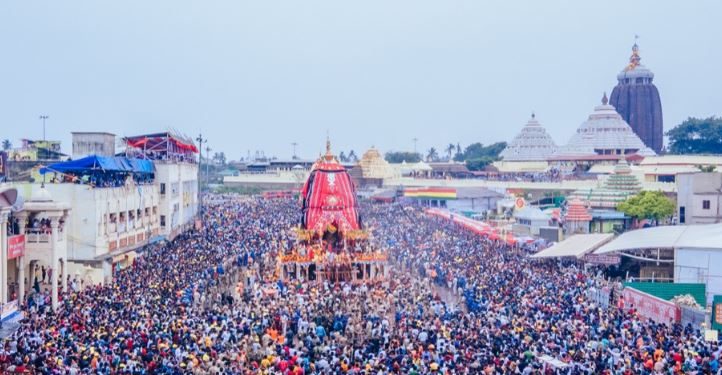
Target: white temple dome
point(605, 132)
point(532, 143)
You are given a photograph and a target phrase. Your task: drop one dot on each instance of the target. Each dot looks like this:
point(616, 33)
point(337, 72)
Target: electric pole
point(200, 140)
point(45, 144)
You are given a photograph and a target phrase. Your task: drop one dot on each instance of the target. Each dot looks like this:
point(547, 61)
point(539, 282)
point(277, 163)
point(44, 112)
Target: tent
point(96, 163)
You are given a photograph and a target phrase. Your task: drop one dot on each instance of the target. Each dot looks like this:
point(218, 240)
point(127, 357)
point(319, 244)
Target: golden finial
point(635, 58)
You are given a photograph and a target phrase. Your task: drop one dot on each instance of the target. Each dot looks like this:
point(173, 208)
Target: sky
point(261, 75)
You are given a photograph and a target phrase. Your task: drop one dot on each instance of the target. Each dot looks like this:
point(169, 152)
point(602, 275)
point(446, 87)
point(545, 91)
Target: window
point(162, 221)
point(681, 215)
point(705, 205)
point(162, 189)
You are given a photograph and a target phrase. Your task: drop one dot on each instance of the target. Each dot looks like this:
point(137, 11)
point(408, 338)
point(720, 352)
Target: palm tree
point(450, 149)
point(7, 144)
point(342, 157)
point(352, 156)
point(432, 155)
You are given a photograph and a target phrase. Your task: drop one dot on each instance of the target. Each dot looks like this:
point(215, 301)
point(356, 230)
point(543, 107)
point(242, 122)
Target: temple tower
point(636, 98)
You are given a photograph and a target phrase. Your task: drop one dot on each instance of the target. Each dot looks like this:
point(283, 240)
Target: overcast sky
point(259, 75)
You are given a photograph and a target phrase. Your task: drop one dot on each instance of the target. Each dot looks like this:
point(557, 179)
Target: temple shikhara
point(331, 241)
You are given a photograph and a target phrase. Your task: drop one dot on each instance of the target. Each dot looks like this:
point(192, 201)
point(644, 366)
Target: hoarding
point(16, 246)
point(650, 307)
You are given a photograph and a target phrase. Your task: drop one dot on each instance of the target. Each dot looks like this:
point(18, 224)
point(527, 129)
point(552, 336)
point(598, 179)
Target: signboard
point(650, 307)
point(603, 259)
point(519, 203)
point(9, 309)
point(717, 313)
point(16, 246)
point(711, 335)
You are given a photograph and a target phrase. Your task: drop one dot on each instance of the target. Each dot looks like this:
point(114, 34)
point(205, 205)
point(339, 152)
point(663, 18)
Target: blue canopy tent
point(102, 164)
point(104, 171)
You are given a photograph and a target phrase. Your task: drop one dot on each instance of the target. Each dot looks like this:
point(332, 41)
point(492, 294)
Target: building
point(529, 220)
point(636, 99)
point(699, 198)
point(682, 253)
point(115, 205)
point(604, 133)
point(616, 188)
point(176, 177)
point(93, 143)
point(465, 200)
point(371, 170)
point(532, 143)
point(577, 218)
point(665, 168)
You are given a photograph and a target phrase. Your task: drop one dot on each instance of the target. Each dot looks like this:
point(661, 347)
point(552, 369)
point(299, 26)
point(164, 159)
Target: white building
point(93, 143)
point(177, 184)
point(176, 176)
point(699, 198)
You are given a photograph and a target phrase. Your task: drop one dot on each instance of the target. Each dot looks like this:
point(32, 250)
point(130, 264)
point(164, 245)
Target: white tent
point(707, 236)
point(575, 246)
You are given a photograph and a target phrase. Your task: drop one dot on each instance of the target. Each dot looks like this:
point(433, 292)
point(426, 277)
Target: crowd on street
point(211, 302)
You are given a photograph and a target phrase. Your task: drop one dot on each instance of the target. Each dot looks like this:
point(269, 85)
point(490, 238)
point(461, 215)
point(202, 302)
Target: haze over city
point(261, 75)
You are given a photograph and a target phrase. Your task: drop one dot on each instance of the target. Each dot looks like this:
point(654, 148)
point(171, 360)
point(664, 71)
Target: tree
point(478, 164)
point(342, 157)
point(402, 156)
point(352, 156)
point(432, 155)
point(7, 144)
point(479, 151)
point(450, 150)
point(653, 205)
point(706, 168)
point(696, 136)
point(219, 158)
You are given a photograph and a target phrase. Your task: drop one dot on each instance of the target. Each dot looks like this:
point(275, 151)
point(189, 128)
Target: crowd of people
point(211, 302)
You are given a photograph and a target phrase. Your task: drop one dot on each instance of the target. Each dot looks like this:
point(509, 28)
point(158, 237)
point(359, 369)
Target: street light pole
point(415, 140)
point(294, 144)
point(200, 140)
point(45, 141)
point(208, 154)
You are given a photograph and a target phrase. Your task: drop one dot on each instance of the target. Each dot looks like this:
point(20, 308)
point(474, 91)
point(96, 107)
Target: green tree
point(7, 144)
point(706, 168)
point(478, 164)
point(479, 151)
point(696, 136)
point(450, 150)
point(401, 156)
point(653, 205)
point(432, 155)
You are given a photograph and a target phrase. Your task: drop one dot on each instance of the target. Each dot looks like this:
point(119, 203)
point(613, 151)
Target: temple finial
point(635, 58)
point(533, 115)
point(605, 100)
point(328, 143)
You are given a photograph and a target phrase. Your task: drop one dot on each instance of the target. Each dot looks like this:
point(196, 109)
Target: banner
point(9, 309)
point(650, 307)
point(717, 313)
point(608, 260)
point(16, 246)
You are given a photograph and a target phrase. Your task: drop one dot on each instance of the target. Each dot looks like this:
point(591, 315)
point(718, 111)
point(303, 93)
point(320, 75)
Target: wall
point(179, 203)
point(699, 266)
point(91, 232)
point(695, 188)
